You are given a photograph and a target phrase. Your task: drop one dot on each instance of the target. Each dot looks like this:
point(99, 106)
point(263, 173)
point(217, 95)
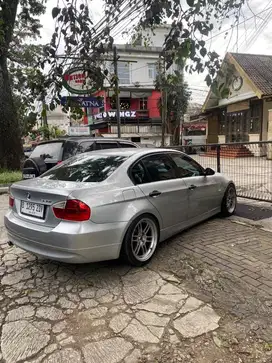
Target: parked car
point(50, 153)
point(100, 205)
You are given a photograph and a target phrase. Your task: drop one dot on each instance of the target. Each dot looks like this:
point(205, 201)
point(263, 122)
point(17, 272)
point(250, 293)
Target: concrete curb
point(4, 190)
point(249, 223)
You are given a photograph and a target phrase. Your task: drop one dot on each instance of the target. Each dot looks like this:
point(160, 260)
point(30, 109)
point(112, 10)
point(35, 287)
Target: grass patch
point(8, 177)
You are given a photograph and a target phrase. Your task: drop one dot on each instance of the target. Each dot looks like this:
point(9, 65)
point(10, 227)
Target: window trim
point(167, 154)
point(151, 67)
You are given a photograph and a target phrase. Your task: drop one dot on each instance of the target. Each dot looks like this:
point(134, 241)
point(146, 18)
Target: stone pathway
point(106, 315)
point(111, 313)
point(53, 312)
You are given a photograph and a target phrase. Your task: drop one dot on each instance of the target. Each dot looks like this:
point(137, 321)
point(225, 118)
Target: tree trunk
point(10, 140)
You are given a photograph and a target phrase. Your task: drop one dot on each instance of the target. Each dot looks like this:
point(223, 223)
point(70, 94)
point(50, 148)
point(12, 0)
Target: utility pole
point(44, 112)
point(116, 89)
point(163, 100)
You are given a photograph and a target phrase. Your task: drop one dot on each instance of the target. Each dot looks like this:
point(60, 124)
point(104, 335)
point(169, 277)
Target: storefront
point(194, 133)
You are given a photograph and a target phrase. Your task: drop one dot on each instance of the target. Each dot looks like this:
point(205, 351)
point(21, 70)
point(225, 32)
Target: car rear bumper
point(68, 242)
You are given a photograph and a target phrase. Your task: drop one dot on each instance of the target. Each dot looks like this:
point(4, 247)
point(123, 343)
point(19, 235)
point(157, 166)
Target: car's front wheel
point(141, 240)
point(229, 201)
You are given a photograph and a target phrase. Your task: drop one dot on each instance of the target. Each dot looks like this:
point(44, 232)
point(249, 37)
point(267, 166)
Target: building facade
point(244, 115)
point(139, 100)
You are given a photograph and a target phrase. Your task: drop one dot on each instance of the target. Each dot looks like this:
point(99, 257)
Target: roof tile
point(258, 68)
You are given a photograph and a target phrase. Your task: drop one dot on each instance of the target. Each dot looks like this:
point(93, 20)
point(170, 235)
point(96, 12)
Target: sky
point(252, 35)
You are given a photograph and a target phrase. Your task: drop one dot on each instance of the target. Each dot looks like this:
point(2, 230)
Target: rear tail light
point(11, 201)
point(72, 210)
point(59, 162)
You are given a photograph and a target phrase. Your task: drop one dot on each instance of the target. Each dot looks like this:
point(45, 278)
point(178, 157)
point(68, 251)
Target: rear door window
point(49, 152)
point(159, 167)
point(86, 168)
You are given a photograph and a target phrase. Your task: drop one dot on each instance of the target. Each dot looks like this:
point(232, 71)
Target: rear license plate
point(29, 176)
point(32, 209)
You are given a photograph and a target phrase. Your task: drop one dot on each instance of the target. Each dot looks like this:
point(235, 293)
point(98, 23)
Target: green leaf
point(190, 2)
point(208, 80)
point(55, 12)
point(221, 86)
point(225, 93)
point(203, 52)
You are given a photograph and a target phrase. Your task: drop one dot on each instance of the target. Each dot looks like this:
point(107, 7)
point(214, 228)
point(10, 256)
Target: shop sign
point(76, 80)
point(78, 131)
point(86, 102)
point(123, 114)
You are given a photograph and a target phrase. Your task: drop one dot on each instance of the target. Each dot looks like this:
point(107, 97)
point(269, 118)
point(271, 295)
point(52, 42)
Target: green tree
point(192, 23)
point(177, 99)
point(14, 27)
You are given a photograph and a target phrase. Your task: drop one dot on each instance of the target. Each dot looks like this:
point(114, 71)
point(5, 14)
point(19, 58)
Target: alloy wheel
point(144, 239)
point(231, 200)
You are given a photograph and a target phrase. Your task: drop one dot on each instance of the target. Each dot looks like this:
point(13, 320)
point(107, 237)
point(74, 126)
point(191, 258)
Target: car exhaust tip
point(10, 244)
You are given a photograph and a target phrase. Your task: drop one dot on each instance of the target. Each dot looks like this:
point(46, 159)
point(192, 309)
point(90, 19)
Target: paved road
point(111, 313)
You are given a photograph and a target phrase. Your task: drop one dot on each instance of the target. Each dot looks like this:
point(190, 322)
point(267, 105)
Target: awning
point(195, 126)
point(125, 135)
point(134, 94)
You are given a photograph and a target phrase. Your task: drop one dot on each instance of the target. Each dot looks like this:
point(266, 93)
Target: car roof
point(84, 138)
point(132, 151)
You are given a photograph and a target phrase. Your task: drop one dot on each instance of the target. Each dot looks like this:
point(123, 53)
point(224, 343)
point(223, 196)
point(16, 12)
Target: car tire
point(141, 240)
point(229, 201)
point(34, 166)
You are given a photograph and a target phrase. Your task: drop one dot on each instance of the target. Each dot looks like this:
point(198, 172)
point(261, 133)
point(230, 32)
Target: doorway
point(236, 127)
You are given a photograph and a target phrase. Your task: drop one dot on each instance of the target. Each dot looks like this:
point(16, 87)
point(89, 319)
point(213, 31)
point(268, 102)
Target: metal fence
point(249, 165)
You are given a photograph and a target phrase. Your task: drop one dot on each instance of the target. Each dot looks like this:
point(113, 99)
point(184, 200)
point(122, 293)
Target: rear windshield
point(86, 168)
point(52, 150)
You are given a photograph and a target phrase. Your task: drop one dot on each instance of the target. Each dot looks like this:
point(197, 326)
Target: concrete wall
point(58, 118)
point(157, 38)
point(269, 134)
point(212, 136)
point(221, 139)
point(244, 93)
point(254, 137)
point(266, 107)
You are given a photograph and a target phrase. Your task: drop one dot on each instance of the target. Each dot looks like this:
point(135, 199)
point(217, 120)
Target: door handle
point(155, 193)
point(192, 187)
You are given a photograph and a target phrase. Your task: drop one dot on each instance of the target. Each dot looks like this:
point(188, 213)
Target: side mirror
point(209, 171)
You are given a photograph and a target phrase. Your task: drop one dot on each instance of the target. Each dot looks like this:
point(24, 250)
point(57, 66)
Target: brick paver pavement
point(242, 251)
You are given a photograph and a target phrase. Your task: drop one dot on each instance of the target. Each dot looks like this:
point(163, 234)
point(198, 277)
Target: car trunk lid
point(34, 198)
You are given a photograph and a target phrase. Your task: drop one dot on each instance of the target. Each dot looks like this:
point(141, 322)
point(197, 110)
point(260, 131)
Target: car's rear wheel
point(229, 201)
point(141, 240)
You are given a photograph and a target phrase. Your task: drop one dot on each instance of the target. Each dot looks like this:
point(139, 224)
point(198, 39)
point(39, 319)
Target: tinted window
point(106, 145)
point(86, 168)
point(84, 147)
point(51, 150)
point(126, 144)
point(159, 167)
point(186, 167)
point(70, 149)
point(138, 174)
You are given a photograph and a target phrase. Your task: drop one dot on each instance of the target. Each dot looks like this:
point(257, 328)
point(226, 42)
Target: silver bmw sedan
point(110, 203)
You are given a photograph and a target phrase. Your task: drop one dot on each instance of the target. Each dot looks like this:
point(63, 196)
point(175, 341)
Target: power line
point(242, 22)
point(247, 43)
